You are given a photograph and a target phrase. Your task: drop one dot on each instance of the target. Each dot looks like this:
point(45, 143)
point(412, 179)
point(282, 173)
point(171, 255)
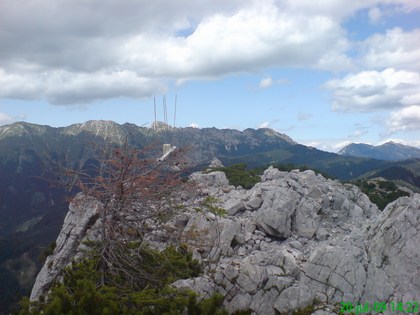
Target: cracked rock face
point(394, 252)
point(295, 239)
point(82, 216)
point(300, 239)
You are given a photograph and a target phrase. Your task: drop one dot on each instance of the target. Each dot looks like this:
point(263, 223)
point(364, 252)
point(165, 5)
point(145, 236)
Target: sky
point(326, 72)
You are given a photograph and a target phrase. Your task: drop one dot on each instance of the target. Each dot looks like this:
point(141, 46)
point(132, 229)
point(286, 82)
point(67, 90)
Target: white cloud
point(358, 133)
point(63, 88)
point(372, 90)
point(266, 83)
point(342, 9)
point(148, 39)
point(255, 37)
point(194, 125)
point(338, 146)
point(412, 143)
point(269, 82)
point(151, 42)
point(406, 119)
point(5, 119)
point(375, 15)
point(395, 48)
point(265, 124)
point(313, 144)
point(329, 145)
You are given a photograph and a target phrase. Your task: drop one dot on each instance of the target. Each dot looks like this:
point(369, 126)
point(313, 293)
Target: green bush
point(239, 175)
point(380, 192)
point(81, 291)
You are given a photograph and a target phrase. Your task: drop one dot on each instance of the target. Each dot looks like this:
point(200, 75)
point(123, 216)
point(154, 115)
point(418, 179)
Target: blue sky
point(325, 72)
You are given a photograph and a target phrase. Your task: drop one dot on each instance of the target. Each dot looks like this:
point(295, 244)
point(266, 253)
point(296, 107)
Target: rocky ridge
point(295, 239)
point(389, 151)
point(79, 226)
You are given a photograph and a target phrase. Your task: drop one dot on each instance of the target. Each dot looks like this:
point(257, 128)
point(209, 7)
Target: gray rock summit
point(294, 240)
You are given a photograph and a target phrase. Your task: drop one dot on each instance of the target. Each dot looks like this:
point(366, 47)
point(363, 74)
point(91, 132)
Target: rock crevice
point(295, 239)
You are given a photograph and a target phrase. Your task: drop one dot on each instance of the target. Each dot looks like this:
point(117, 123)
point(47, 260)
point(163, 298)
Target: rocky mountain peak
point(293, 240)
point(106, 129)
point(21, 129)
point(272, 133)
point(390, 151)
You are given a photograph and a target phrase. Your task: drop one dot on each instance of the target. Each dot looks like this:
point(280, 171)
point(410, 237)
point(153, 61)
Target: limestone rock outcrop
point(81, 218)
point(305, 240)
point(294, 240)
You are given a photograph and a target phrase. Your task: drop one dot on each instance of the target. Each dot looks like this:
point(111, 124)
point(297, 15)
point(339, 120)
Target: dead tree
point(136, 191)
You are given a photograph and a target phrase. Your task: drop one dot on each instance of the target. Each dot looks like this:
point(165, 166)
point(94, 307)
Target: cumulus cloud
point(266, 83)
point(194, 125)
point(338, 146)
point(151, 42)
point(255, 37)
point(63, 88)
point(269, 82)
point(342, 9)
point(265, 124)
point(329, 145)
point(395, 48)
point(87, 35)
point(148, 39)
point(5, 119)
point(358, 133)
point(373, 90)
point(335, 145)
point(375, 15)
point(406, 119)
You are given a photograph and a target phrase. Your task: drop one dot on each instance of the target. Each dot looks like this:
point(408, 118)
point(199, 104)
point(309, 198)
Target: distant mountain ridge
point(389, 151)
point(25, 148)
point(31, 211)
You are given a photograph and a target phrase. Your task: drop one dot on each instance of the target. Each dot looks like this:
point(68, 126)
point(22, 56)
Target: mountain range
point(32, 210)
point(26, 149)
point(389, 151)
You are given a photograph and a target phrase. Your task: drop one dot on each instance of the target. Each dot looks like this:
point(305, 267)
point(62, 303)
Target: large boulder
point(393, 244)
point(312, 241)
point(304, 204)
point(379, 262)
point(213, 179)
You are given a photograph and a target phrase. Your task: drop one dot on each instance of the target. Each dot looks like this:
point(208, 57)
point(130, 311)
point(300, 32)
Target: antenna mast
point(154, 102)
point(164, 111)
point(175, 111)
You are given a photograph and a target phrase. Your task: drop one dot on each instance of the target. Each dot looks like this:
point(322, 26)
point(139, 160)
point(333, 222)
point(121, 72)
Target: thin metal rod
point(154, 102)
point(164, 111)
point(175, 110)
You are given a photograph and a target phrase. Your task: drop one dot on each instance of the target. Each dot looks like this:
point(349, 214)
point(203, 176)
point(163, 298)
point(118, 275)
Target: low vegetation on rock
point(381, 192)
point(240, 175)
point(81, 292)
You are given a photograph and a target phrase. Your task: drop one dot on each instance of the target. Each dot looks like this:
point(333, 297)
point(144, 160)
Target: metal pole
point(154, 102)
point(175, 110)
